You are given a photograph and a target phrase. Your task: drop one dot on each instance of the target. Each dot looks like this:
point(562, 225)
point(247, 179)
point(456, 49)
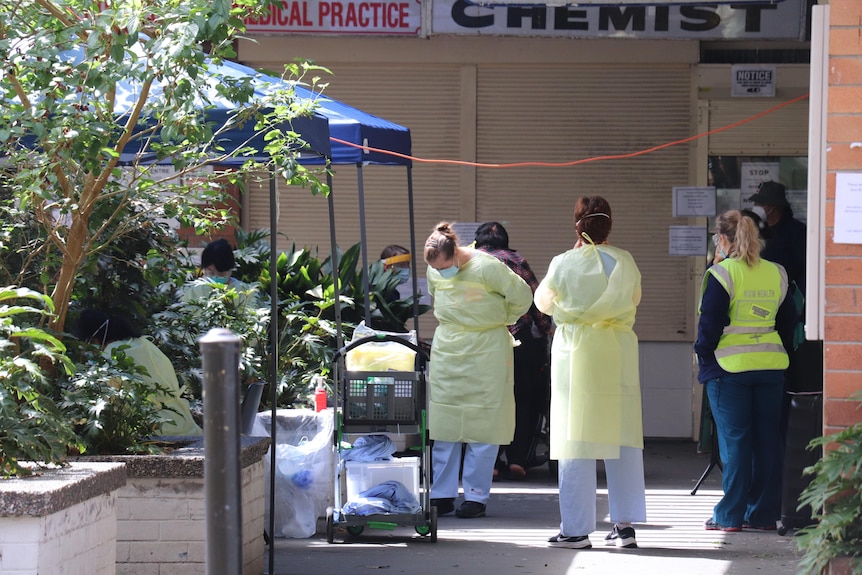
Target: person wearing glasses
point(744, 331)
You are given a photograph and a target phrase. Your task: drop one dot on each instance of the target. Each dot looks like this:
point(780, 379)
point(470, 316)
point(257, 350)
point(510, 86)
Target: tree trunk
point(73, 255)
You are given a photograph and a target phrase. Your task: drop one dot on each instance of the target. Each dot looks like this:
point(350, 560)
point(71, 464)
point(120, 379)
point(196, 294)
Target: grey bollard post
point(222, 478)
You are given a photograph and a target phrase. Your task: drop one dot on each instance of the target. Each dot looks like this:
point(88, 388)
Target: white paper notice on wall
point(687, 241)
point(848, 208)
point(693, 201)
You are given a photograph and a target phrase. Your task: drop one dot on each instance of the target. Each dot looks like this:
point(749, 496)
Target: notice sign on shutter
point(753, 81)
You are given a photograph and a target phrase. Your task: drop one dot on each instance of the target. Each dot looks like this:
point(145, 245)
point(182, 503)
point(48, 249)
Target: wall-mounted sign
point(687, 241)
point(752, 81)
point(693, 201)
point(620, 2)
point(848, 208)
point(710, 20)
point(387, 17)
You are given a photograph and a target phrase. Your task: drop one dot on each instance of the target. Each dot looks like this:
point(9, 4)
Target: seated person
point(217, 262)
point(111, 332)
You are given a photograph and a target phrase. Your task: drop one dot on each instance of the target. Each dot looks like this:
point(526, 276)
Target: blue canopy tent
point(352, 133)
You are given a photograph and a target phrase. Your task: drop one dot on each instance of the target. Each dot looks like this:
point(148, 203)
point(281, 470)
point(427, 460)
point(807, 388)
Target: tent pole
point(336, 278)
point(413, 249)
point(364, 245)
point(273, 368)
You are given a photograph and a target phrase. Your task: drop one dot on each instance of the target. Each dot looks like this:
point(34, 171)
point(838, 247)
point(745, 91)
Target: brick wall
point(161, 525)
point(843, 341)
point(77, 540)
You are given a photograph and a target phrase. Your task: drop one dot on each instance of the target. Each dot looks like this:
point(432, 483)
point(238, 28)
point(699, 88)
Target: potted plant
point(835, 497)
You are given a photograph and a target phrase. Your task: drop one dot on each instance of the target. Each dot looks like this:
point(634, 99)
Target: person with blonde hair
point(592, 291)
point(471, 373)
point(745, 328)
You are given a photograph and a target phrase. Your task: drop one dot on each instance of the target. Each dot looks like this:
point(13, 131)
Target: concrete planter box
point(161, 512)
point(61, 521)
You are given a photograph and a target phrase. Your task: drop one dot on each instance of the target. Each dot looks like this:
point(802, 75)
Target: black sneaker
point(624, 537)
point(470, 509)
point(444, 505)
point(560, 540)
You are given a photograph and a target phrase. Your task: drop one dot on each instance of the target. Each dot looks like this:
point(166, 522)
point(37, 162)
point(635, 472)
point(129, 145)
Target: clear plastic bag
point(303, 470)
point(381, 356)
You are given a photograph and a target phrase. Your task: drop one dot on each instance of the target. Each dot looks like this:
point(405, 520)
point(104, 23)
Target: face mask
point(403, 275)
point(219, 280)
point(716, 240)
point(449, 272)
point(761, 213)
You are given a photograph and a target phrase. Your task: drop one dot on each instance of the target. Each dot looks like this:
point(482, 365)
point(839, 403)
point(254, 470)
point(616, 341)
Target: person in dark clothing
point(784, 235)
point(532, 382)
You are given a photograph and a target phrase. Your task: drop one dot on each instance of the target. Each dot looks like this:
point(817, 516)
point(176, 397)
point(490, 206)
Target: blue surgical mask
point(403, 275)
point(219, 280)
point(449, 272)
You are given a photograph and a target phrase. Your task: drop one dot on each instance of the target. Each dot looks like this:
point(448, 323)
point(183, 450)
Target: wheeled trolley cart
point(381, 402)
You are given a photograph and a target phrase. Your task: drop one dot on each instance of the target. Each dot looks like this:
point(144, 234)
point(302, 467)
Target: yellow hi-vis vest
point(750, 342)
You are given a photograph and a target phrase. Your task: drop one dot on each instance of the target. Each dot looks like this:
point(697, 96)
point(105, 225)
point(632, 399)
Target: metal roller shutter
point(566, 113)
point(417, 97)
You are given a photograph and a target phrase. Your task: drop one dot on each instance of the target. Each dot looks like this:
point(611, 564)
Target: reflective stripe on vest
point(750, 342)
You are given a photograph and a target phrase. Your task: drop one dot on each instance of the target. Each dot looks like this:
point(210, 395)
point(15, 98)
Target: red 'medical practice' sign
point(392, 17)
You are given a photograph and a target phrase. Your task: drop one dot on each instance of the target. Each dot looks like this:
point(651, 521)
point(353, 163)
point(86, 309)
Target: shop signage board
point(661, 19)
point(658, 21)
point(372, 17)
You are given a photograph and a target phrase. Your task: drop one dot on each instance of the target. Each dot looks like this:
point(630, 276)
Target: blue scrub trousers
point(626, 491)
point(747, 411)
point(479, 460)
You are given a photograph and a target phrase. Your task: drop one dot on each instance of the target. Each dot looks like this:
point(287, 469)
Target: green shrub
point(835, 496)
point(32, 427)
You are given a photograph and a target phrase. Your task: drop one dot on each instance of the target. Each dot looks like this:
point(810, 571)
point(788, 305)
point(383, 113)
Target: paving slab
point(511, 539)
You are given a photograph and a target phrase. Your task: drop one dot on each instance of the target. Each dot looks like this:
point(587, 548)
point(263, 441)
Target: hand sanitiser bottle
point(319, 394)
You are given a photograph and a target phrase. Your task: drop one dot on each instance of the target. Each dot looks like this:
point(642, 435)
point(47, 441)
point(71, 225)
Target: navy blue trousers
point(747, 411)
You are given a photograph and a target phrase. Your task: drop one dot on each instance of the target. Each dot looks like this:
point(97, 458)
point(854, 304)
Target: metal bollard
point(222, 479)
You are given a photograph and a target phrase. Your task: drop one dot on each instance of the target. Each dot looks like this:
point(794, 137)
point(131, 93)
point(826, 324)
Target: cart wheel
point(782, 530)
point(330, 525)
point(424, 530)
point(355, 530)
point(434, 524)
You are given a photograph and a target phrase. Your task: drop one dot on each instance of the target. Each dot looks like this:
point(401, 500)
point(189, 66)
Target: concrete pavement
point(523, 514)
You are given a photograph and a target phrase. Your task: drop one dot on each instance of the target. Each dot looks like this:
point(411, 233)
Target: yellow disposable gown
point(161, 370)
point(471, 378)
point(595, 381)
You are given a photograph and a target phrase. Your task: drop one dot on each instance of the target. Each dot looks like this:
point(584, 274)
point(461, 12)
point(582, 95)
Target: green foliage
point(67, 119)
point(32, 427)
point(835, 495)
point(110, 407)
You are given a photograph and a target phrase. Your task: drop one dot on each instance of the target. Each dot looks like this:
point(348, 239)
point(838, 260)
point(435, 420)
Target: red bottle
point(320, 397)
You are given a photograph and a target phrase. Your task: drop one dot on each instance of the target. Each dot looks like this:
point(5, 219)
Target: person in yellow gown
point(592, 291)
point(113, 332)
point(471, 378)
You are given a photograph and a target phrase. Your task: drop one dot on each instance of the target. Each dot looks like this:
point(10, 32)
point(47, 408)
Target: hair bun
point(443, 227)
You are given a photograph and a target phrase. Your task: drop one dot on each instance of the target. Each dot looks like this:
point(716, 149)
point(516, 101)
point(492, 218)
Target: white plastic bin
point(362, 475)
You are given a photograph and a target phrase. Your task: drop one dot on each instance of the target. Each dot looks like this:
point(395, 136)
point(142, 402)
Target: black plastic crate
point(383, 397)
